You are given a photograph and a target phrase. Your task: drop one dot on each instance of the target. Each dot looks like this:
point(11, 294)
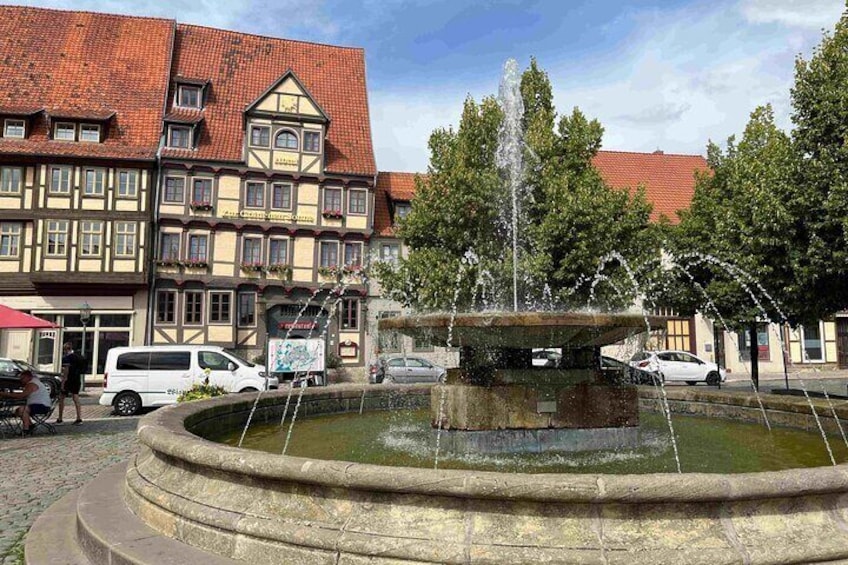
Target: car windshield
point(240, 360)
point(24, 365)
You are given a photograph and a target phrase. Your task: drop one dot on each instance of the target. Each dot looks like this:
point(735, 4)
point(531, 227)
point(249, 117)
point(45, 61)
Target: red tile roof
point(390, 186)
point(85, 64)
point(241, 67)
point(669, 182)
point(669, 179)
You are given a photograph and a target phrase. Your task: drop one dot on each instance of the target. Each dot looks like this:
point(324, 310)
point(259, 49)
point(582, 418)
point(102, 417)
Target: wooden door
point(842, 342)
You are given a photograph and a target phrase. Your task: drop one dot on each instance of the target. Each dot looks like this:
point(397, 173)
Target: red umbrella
point(13, 319)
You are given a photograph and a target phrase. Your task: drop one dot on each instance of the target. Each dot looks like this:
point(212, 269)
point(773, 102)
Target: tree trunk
point(755, 357)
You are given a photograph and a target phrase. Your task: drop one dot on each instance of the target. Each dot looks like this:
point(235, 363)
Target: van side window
point(132, 361)
point(212, 361)
point(170, 361)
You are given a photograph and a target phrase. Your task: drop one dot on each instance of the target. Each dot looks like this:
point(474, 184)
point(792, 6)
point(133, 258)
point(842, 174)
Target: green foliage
point(201, 391)
point(572, 218)
point(741, 215)
point(820, 202)
point(333, 361)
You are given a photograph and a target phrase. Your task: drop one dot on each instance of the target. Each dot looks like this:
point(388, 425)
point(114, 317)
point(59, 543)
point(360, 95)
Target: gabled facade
point(80, 110)
point(266, 194)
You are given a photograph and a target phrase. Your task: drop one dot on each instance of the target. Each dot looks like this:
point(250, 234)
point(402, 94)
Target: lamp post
point(85, 316)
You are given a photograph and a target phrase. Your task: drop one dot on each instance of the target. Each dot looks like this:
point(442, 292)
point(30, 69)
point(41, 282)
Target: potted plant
point(282, 268)
point(331, 214)
point(252, 266)
point(196, 264)
point(199, 205)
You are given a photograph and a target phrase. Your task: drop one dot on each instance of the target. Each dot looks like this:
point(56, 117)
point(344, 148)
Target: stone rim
point(165, 431)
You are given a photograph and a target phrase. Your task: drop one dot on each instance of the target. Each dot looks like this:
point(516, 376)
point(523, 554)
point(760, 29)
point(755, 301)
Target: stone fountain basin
point(266, 508)
point(524, 329)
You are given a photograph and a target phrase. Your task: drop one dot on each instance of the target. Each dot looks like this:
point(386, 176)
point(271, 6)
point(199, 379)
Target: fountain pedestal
point(498, 401)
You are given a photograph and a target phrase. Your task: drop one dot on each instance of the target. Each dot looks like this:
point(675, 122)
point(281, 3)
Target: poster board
point(296, 355)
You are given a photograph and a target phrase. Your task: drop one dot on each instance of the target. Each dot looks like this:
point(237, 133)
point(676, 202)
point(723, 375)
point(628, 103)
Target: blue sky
point(667, 75)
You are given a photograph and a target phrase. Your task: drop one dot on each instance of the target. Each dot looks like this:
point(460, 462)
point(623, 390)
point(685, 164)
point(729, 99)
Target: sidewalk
point(89, 405)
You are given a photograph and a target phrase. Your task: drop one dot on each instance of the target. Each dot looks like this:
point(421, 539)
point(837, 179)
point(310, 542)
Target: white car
point(679, 366)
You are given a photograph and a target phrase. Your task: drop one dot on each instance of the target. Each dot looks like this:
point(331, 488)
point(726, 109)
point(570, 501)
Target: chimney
point(658, 152)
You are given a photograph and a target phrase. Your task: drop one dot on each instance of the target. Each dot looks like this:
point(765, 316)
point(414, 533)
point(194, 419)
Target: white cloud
point(814, 14)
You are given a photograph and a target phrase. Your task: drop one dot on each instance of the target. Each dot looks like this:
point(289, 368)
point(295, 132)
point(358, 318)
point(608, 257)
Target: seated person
point(37, 397)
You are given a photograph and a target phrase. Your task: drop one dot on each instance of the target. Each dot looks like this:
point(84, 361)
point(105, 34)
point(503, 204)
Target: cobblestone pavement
point(37, 471)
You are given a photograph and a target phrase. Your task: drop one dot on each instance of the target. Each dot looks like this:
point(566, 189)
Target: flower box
point(195, 264)
point(201, 206)
point(332, 214)
point(252, 267)
point(279, 268)
point(168, 262)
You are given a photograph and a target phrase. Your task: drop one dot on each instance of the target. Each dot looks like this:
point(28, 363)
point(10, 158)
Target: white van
point(154, 375)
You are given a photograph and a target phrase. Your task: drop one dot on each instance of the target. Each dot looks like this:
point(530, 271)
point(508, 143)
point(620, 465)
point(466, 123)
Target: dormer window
point(402, 210)
point(285, 140)
point(14, 129)
point(188, 96)
point(179, 137)
point(90, 133)
point(65, 131)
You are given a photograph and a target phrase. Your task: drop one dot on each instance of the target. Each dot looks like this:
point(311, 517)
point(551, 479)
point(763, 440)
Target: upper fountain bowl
point(525, 329)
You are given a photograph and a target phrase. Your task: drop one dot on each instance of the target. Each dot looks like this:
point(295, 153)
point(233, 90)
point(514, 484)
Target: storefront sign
point(297, 325)
point(263, 216)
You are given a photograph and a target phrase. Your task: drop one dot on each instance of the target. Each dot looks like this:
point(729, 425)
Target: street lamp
point(85, 316)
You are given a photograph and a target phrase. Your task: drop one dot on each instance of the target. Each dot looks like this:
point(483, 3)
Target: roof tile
point(241, 67)
point(87, 65)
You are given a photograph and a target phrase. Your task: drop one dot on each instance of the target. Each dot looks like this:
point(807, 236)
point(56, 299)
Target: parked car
point(679, 366)
point(154, 375)
point(405, 370)
point(546, 358)
point(10, 369)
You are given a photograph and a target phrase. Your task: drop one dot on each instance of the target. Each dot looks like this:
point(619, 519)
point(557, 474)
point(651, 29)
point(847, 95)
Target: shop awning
point(14, 319)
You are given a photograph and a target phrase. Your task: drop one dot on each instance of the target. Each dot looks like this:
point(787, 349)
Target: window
point(281, 196)
point(174, 189)
point(10, 239)
point(188, 96)
point(133, 361)
point(333, 200)
point(312, 141)
point(356, 203)
point(60, 180)
point(285, 140)
point(166, 303)
point(179, 137)
point(127, 184)
point(401, 210)
point(201, 191)
point(197, 245)
point(247, 309)
point(65, 132)
point(169, 247)
point(10, 180)
point(813, 345)
point(744, 341)
point(422, 343)
point(170, 360)
point(353, 254)
point(390, 252)
point(678, 335)
point(254, 195)
point(219, 307)
point(278, 252)
point(329, 254)
point(14, 128)
point(94, 182)
point(91, 234)
point(57, 237)
point(193, 311)
point(125, 239)
point(213, 361)
point(260, 136)
point(90, 133)
point(350, 314)
point(251, 251)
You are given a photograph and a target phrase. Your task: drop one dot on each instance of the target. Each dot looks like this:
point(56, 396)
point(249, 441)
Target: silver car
point(409, 370)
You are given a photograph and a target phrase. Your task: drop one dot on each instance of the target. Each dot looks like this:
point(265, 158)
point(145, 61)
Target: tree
point(741, 216)
point(820, 203)
point(458, 251)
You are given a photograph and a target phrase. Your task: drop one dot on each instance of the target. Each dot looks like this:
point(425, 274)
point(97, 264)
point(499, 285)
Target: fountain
point(186, 499)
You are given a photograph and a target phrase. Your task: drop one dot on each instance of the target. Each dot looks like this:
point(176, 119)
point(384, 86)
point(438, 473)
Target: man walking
point(72, 368)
